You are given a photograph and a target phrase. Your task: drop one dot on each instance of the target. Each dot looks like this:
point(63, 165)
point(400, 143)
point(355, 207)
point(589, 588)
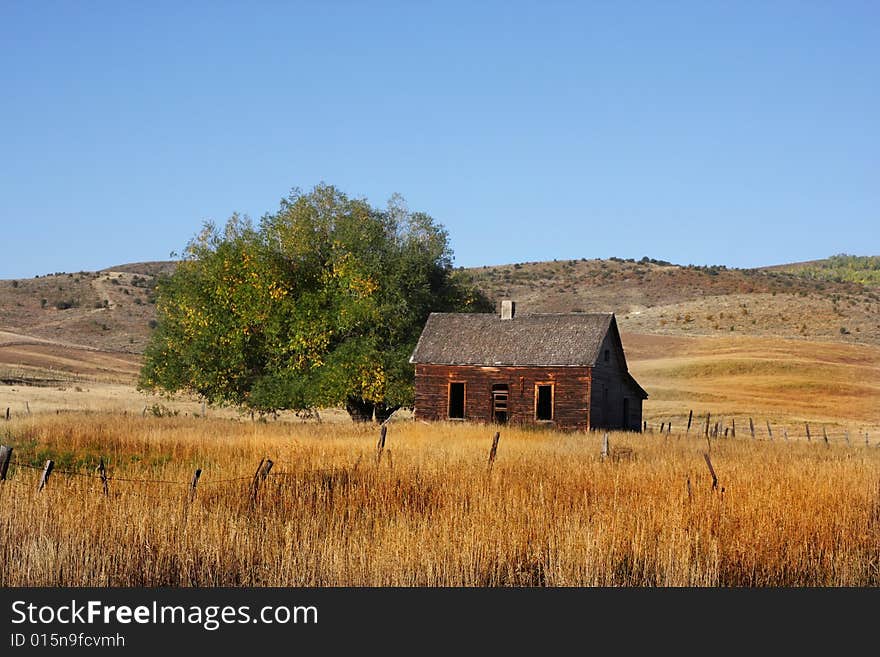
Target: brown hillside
point(650, 297)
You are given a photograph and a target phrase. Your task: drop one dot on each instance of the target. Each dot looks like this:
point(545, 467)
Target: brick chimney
point(508, 309)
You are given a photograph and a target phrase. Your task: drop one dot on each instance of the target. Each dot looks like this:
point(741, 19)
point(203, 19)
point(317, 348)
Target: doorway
point(500, 395)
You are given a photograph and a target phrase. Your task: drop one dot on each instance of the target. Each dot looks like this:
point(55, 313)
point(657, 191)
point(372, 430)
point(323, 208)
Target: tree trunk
point(383, 411)
point(359, 409)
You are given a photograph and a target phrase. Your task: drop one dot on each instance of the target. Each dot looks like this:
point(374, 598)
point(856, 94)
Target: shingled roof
point(561, 340)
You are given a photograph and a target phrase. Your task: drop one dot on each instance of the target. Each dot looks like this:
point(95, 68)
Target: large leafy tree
point(320, 304)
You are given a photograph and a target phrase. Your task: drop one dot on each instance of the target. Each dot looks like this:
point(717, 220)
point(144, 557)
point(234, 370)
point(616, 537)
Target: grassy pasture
point(787, 381)
point(551, 512)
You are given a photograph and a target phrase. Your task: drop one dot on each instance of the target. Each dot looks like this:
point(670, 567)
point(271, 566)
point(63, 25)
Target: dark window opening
point(544, 403)
point(607, 355)
point(456, 401)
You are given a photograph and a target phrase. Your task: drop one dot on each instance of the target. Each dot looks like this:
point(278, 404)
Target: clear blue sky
point(738, 133)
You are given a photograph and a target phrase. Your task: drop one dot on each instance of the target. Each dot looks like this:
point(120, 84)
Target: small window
point(607, 355)
point(456, 401)
point(544, 401)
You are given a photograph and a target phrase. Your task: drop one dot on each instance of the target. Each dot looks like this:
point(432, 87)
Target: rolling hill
point(789, 341)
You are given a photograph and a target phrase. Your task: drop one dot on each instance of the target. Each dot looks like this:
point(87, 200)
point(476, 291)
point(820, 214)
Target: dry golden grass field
point(551, 512)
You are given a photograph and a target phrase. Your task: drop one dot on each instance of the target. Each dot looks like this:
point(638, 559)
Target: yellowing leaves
point(345, 270)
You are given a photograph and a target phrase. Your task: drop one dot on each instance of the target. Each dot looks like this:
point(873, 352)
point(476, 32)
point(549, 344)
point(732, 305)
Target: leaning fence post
point(807, 425)
point(380, 444)
point(103, 472)
point(752, 427)
point(44, 478)
point(260, 475)
point(846, 435)
point(769, 430)
point(27, 407)
point(711, 470)
point(494, 450)
point(690, 419)
point(194, 483)
point(825, 434)
point(5, 456)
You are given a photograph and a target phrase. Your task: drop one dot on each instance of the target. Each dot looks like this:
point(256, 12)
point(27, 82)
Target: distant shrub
point(153, 323)
point(138, 301)
point(844, 330)
point(44, 303)
point(65, 304)
point(160, 410)
point(14, 283)
point(114, 281)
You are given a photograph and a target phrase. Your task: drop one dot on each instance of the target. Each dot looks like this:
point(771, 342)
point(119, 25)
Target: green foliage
point(843, 268)
point(320, 304)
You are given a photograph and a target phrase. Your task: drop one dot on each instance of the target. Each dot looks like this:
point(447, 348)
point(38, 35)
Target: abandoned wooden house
point(564, 370)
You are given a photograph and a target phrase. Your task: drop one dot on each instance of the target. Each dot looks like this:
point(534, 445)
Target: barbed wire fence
point(721, 429)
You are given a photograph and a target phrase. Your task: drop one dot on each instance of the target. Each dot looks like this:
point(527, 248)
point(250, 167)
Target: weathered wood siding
point(611, 386)
point(571, 392)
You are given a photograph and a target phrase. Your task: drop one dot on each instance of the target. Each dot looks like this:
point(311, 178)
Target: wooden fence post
point(708, 415)
point(645, 425)
point(27, 406)
point(846, 435)
point(726, 429)
point(690, 418)
point(668, 428)
point(44, 478)
point(769, 430)
point(193, 484)
point(605, 445)
point(494, 450)
point(825, 434)
point(711, 470)
point(866, 437)
point(7, 414)
point(662, 426)
point(807, 425)
point(259, 476)
point(733, 428)
point(5, 457)
point(103, 472)
point(752, 427)
point(203, 409)
point(380, 444)
point(785, 433)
